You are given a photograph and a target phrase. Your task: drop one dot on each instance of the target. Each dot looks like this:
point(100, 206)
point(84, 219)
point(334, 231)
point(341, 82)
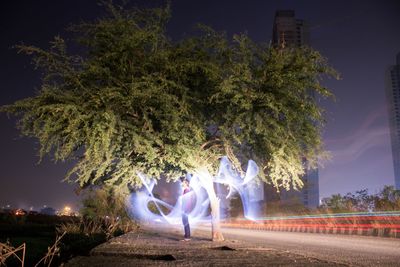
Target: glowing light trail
point(367, 223)
point(382, 214)
point(247, 188)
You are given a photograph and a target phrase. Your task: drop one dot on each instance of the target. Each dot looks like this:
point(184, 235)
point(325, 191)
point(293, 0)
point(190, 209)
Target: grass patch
point(40, 234)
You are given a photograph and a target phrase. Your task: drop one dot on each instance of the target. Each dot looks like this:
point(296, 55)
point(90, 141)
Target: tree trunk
point(215, 219)
point(207, 180)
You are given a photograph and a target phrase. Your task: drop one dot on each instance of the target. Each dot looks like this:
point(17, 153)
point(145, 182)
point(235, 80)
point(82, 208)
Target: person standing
point(186, 206)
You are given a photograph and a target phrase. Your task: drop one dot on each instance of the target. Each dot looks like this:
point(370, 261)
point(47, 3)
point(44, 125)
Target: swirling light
point(247, 187)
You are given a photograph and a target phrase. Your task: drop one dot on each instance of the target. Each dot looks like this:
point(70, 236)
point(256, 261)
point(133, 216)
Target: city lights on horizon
point(66, 210)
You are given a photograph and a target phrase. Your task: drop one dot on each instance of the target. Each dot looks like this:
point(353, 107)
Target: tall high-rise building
point(393, 99)
point(288, 31)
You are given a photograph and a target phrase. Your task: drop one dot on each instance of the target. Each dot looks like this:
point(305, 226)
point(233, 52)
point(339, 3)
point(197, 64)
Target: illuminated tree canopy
point(133, 100)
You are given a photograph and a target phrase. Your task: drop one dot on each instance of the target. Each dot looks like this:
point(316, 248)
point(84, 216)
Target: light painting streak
point(247, 187)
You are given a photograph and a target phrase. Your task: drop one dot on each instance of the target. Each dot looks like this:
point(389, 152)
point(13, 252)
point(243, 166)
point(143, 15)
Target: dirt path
point(159, 247)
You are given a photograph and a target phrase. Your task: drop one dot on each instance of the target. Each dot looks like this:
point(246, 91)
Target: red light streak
point(350, 224)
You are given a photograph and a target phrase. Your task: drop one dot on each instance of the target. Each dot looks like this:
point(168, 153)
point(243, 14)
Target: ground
point(162, 247)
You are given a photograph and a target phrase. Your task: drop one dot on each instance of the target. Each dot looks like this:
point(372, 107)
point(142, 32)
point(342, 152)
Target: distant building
point(393, 99)
point(310, 191)
point(288, 31)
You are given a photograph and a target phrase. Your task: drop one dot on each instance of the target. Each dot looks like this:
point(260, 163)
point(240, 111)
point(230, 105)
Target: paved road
point(352, 250)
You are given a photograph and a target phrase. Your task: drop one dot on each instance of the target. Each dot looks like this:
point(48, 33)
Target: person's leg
point(186, 227)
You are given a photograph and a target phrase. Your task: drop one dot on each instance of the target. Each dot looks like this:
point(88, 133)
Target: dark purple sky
point(360, 39)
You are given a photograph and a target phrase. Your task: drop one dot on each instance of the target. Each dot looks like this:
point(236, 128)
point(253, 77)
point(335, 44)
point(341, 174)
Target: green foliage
point(135, 101)
point(388, 199)
point(336, 203)
point(104, 210)
point(101, 203)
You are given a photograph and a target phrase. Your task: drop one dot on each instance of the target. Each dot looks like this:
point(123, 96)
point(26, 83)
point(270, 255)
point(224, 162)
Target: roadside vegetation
point(387, 199)
point(49, 240)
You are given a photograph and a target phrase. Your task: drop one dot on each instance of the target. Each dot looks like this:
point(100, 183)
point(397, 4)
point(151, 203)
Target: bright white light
point(250, 193)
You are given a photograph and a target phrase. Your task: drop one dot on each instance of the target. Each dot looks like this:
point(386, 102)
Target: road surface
point(347, 249)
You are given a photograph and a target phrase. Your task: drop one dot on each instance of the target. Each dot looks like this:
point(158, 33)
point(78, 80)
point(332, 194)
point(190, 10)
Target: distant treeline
point(388, 199)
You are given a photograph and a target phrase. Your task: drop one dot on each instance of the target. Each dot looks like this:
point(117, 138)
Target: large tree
point(134, 101)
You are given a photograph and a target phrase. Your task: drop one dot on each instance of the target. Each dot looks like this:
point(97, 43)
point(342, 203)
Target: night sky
point(360, 39)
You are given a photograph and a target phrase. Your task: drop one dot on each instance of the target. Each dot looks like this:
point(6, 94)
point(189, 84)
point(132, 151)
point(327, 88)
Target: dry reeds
point(7, 250)
point(52, 251)
point(107, 226)
point(86, 227)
